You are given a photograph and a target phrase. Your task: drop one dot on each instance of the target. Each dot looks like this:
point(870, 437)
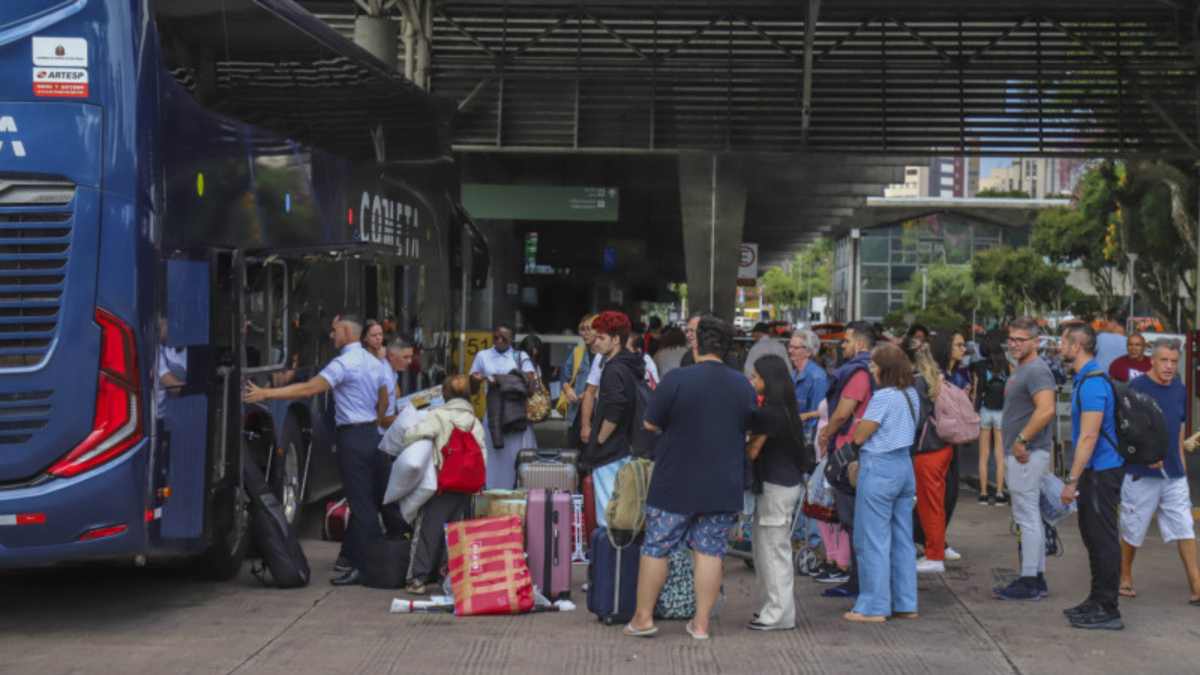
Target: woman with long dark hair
point(948, 348)
point(781, 456)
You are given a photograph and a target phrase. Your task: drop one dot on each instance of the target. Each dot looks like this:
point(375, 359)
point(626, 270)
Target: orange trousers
point(930, 469)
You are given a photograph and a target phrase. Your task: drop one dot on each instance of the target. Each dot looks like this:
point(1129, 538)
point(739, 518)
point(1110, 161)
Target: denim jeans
point(883, 542)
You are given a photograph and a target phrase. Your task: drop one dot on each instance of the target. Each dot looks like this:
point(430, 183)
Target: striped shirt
point(897, 426)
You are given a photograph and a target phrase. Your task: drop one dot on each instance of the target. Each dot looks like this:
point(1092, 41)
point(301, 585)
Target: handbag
point(838, 470)
point(563, 404)
point(626, 511)
point(537, 407)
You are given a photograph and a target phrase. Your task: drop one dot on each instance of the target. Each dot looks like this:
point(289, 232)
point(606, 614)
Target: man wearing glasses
point(1029, 409)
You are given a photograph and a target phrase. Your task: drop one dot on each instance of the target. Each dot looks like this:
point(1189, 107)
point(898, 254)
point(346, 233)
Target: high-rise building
point(1038, 177)
point(941, 177)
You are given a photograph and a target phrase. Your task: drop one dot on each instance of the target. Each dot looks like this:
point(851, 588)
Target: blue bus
point(189, 193)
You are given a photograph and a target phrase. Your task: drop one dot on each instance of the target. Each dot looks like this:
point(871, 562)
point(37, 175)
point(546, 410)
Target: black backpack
point(993, 389)
point(1142, 436)
point(642, 441)
point(276, 541)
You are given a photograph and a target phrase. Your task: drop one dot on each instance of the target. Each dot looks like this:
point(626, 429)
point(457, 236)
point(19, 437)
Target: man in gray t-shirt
point(1020, 393)
point(1025, 426)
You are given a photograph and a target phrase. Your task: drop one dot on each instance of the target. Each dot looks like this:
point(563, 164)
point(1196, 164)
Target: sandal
point(640, 632)
point(415, 587)
point(691, 630)
point(905, 615)
point(1127, 591)
point(863, 618)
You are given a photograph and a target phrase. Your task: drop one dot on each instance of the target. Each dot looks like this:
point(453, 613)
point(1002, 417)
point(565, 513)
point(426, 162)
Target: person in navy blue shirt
point(1161, 488)
point(1095, 480)
point(696, 490)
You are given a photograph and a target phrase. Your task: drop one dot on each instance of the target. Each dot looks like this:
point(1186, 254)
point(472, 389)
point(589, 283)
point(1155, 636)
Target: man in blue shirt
point(360, 399)
point(1095, 480)
point(812, 383)
point(1161, 488)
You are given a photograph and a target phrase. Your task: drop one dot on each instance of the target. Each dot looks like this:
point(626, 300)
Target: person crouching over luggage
point(781, 457)
point(458, 441)
point(695, 491)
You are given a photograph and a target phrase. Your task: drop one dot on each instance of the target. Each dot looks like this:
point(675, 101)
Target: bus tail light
point(117, 425)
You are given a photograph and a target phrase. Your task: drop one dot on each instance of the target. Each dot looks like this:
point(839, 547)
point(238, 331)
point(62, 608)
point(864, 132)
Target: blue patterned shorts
point(706, 533)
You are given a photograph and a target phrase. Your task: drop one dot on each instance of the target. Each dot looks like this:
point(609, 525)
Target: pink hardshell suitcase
point(548, 541)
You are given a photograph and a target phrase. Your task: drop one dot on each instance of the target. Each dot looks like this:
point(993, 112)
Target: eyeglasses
point(1019, 340)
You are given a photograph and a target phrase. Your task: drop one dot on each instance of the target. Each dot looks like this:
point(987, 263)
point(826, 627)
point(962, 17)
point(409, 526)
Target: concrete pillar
point(712, 200)
point(377, 34)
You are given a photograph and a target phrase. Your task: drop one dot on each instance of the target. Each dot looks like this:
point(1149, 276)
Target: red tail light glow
point(103, 532)
point(117, 425)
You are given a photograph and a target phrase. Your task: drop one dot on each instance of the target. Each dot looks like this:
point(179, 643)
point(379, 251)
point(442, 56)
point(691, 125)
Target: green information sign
point(541, 202)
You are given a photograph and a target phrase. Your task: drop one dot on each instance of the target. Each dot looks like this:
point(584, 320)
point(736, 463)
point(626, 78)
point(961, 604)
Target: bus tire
point(287, 469)
point(230, 536)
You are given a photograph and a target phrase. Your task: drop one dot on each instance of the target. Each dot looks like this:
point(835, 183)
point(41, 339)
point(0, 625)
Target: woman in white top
point(503, 359)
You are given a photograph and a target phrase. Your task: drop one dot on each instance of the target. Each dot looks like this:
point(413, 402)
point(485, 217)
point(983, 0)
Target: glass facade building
point(890, 255)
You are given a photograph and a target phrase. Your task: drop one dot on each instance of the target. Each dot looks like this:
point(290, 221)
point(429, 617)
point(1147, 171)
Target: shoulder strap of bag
point(1078, 407)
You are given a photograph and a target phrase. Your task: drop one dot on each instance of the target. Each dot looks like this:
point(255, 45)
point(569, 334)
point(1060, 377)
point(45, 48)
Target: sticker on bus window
point(60, 82)
point(63, 52)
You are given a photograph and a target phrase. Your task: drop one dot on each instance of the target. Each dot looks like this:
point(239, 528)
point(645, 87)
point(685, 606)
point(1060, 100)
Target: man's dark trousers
point(358, 459)
point(1099, 502)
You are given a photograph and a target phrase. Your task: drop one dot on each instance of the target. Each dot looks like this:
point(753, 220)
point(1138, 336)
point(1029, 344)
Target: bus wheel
point(286, 470)
point(231, 536)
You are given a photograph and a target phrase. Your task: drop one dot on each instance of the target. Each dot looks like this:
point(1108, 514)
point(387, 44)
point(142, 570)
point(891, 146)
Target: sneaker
point(1085, 607)
point(342, 565)
point(832, 575)
point(1097, 619)
point(983, 498)
point(1024, 588)
point(927, 566)
point(842, 591)
point(1002, 499)
point(1043, 589)
point(952, 555)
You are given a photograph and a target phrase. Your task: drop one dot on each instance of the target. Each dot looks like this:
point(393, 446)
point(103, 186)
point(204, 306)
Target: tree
point(1021, 280)
point(806, 276)
point(951, 296)
point(780, 289)
point(1143, 207)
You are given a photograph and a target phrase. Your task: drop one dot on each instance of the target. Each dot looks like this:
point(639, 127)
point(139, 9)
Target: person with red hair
point(608, 448)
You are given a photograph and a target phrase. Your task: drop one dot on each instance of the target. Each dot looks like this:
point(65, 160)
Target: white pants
point(772, 538)
point(1024, 489)
point(1141, 498)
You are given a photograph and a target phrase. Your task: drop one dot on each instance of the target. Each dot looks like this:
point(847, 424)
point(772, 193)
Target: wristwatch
point(1070, 481)
point(1022, 440)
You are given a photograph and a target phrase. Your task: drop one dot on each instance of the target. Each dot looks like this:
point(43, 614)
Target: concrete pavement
point(104, 620)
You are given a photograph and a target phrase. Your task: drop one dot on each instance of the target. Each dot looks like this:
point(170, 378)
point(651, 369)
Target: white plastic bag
point(410, 471)
point(392, 442)
point(818, 490)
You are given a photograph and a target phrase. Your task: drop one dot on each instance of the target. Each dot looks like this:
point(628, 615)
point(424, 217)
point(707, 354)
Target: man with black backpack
point(1095, 480)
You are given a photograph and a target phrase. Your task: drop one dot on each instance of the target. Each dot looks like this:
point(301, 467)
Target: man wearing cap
point(763, 345)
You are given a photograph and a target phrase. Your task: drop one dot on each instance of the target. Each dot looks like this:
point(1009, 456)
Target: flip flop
point(1194, 602)
point(905, 615)
point(863, 618)
point(640, 632)
point(1127, 591)
point(692, 631)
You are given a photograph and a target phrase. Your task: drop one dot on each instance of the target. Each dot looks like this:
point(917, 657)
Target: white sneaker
point(952, 555)
point(927, 566)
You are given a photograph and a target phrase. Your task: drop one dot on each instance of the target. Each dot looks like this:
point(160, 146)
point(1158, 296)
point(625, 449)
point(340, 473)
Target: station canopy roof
point(891, 81)
point(272, 64)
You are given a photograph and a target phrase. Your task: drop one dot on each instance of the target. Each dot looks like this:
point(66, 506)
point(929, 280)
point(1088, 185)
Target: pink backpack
point(954, 416)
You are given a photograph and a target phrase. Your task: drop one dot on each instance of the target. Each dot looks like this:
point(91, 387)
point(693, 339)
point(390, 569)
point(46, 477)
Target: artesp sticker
point(60, 82)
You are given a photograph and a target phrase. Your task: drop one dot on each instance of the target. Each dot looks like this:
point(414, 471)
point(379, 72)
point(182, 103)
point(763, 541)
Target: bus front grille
point(35, 242)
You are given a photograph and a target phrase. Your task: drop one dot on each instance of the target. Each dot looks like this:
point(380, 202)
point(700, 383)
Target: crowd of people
point(882, 423)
